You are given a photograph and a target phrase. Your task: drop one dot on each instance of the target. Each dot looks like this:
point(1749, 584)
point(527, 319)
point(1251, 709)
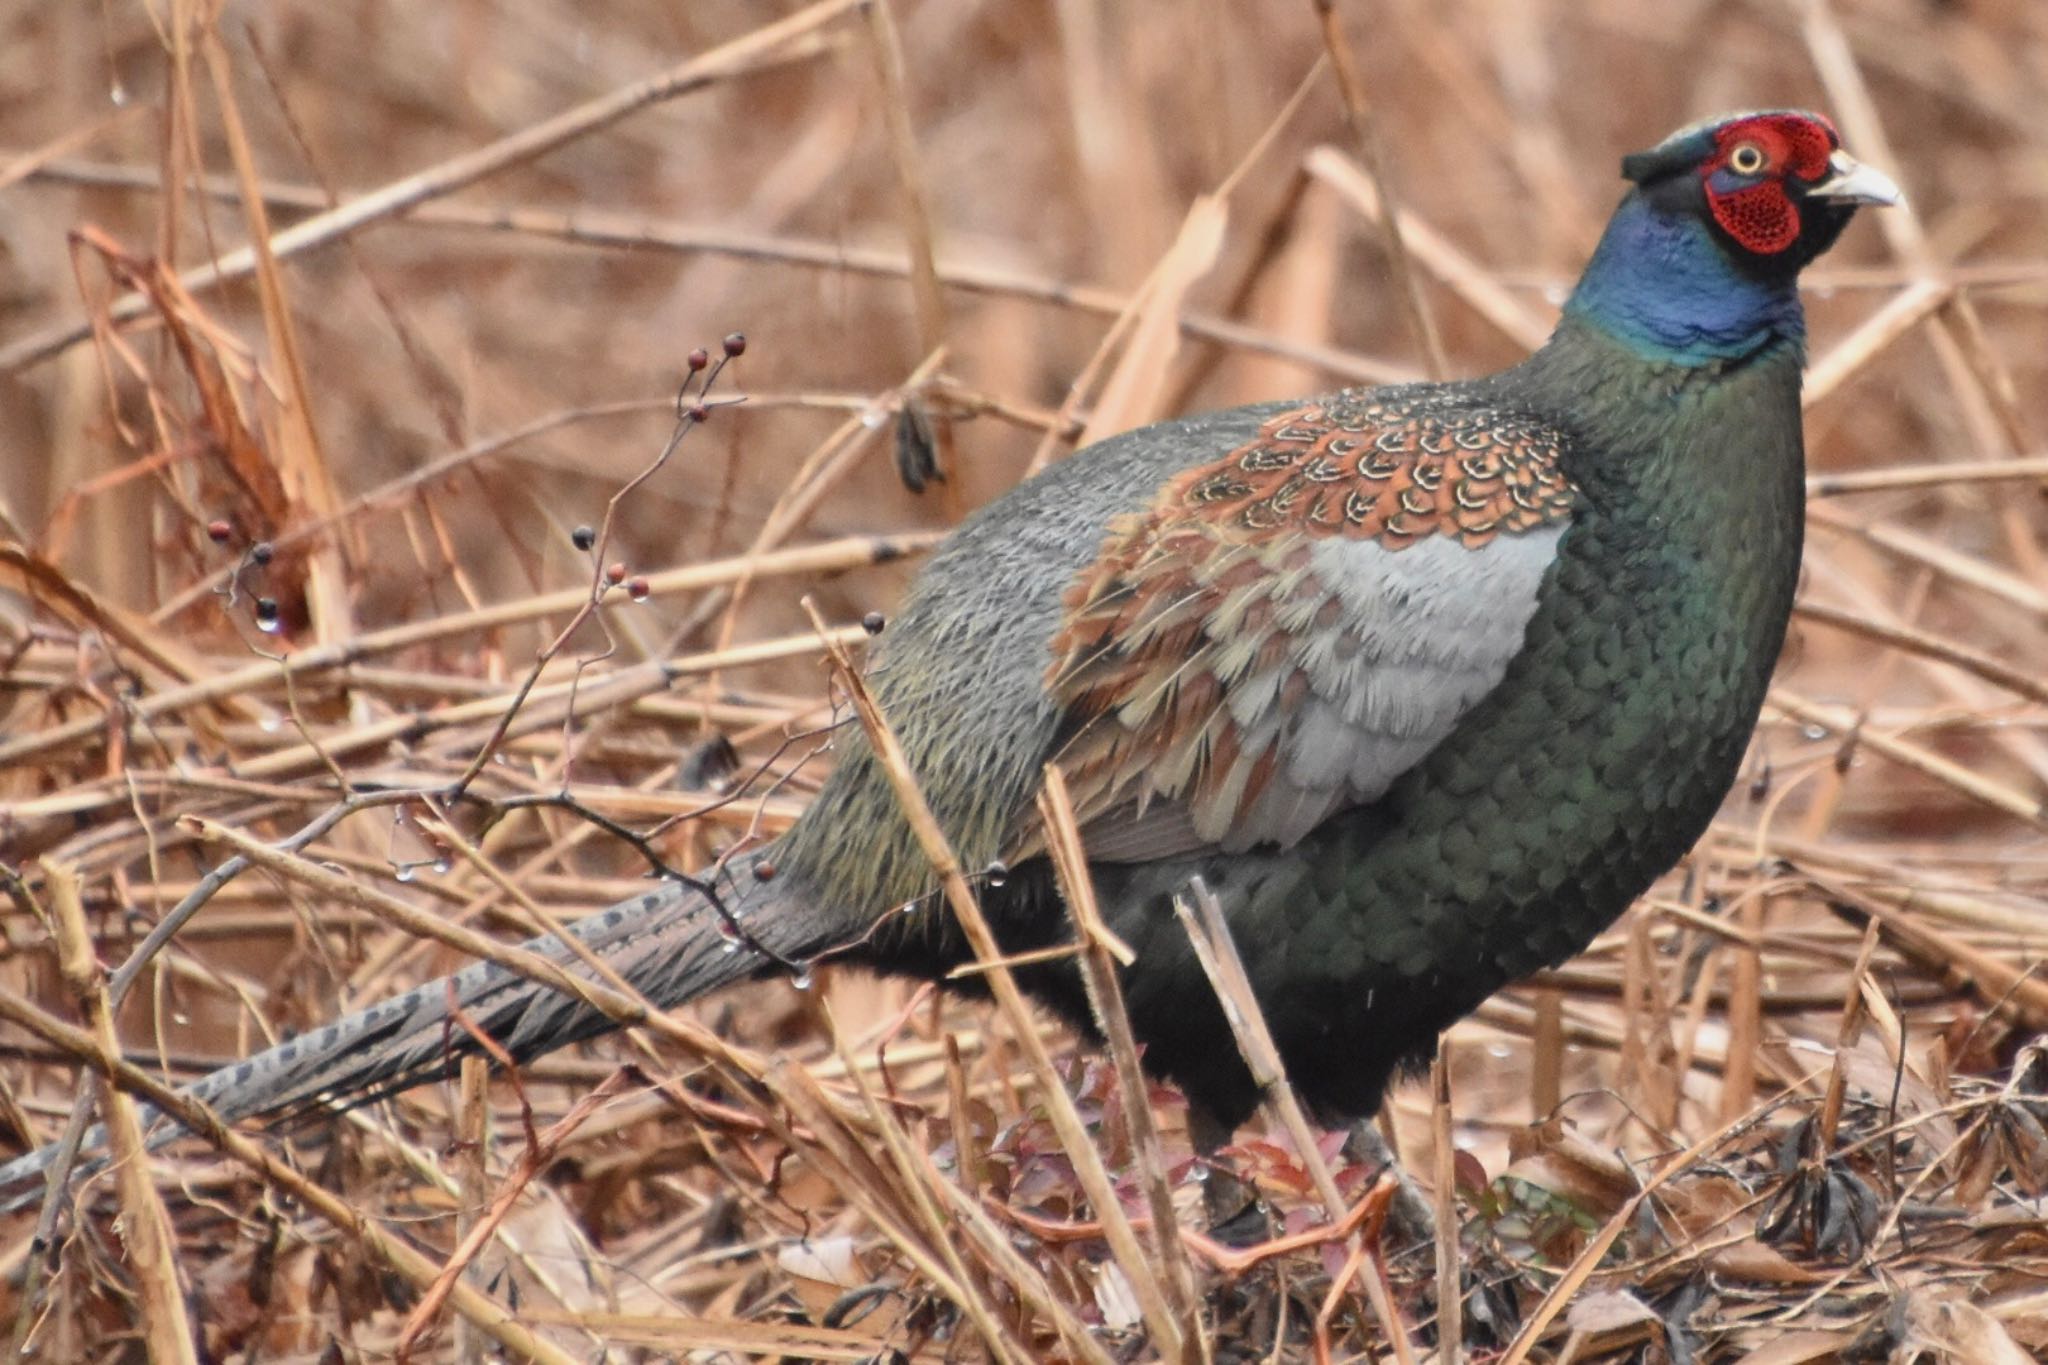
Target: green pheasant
point(1426, 683)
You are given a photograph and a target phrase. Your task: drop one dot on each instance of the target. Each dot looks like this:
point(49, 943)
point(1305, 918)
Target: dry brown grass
point(1773, 1115)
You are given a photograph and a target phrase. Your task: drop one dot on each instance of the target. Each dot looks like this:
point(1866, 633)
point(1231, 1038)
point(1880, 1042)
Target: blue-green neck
point(1663, 287)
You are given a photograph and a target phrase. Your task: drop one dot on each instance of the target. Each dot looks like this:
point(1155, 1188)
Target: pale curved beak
point(1851, 182)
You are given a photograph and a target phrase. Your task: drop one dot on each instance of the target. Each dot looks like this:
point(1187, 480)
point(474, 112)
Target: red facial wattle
point(1759, 215)
point(1760, 218)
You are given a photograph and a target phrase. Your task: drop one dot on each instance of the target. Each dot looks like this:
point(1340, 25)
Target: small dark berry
point(637, 589)
point(873, 622)
point(735, 344)
point(262, 552)
point(699, 412)
point(218, 532)
point(996, 872)
point(917, 447)
point(764, 872)
point(266, 614)
point(583, 537)
point(699, 358)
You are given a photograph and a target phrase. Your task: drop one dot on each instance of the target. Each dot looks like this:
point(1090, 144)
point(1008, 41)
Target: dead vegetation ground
point(1785, 1111)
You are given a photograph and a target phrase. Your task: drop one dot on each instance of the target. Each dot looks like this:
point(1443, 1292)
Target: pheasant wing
point(1287, 629)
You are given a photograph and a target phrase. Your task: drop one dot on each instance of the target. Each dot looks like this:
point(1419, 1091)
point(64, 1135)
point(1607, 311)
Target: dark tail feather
point(670, 943)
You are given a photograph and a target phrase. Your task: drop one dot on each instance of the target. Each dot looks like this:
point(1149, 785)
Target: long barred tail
point(670, 943)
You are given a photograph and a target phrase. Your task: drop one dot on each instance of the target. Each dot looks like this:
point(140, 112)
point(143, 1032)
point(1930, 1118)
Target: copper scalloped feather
point(1384, 468)
point(1214, 594)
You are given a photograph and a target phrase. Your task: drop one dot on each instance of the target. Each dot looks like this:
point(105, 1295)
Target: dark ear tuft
point(1640, 166)
point(1675, 154)
point(1684, 150)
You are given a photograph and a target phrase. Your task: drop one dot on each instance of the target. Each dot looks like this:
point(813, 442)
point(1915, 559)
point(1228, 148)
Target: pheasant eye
point(1746, 159)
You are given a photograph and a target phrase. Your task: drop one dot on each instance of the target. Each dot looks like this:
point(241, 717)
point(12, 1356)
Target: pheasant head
point(1699, 263)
